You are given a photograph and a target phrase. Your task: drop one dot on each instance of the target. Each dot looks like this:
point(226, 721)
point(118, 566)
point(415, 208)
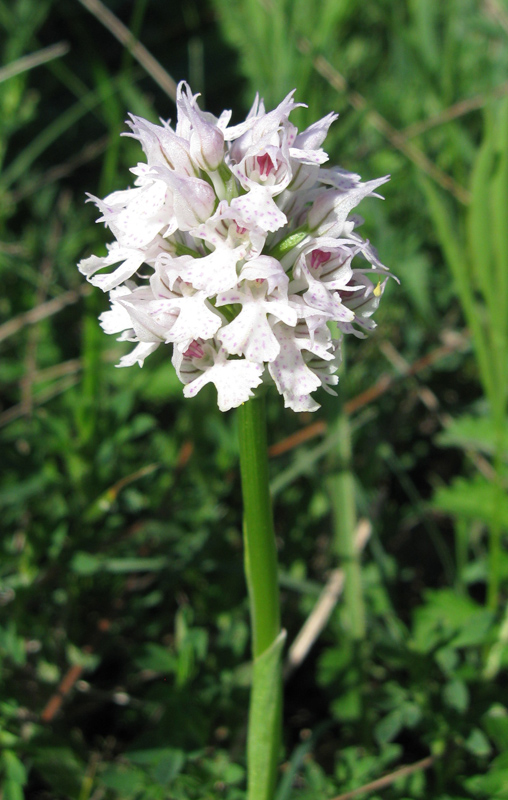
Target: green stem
point(262, 583)
point(259, 537)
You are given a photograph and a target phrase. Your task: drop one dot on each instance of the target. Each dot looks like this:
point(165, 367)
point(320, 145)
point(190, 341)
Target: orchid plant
point(236, 246)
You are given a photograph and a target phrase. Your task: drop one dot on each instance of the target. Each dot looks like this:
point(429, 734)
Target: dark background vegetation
point(123, 617)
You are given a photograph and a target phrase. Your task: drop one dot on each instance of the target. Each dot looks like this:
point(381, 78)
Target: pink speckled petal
point(131, 262)
point(196, 320)
point(251, 335)
point(234, 381)
point(257, 207)
point(294, 380)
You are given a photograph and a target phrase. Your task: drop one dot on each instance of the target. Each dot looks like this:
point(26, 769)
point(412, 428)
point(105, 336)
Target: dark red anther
point(265, 164)
point(318, 257)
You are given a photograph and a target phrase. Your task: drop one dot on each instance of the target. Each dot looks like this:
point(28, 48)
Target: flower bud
point(206, 144)
point(206, 140)
point(193, 198)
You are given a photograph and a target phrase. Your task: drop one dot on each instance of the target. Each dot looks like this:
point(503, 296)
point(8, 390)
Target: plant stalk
point(264, 735)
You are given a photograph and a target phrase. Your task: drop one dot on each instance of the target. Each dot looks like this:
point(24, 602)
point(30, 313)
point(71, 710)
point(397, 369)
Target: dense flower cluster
point(236, 246)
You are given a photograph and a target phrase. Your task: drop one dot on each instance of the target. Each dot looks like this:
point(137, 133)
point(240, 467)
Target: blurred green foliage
point(124, 642)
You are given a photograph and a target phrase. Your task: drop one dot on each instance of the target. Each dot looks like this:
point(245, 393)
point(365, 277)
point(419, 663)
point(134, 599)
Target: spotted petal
point(234, 380)
point(258, 207)
point(197, 319)
point(293, 378)
point(136, 216)
point(211, 274)
point(117, 319)
point(250, 333)
point(268, 269)
point(131, 261)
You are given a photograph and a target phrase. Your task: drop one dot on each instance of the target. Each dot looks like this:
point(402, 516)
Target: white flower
point(237, 247)
point(294, 378)
point(324, 268)
point(250, 333)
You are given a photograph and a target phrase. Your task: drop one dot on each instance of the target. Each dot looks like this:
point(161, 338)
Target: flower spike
point(237, 247)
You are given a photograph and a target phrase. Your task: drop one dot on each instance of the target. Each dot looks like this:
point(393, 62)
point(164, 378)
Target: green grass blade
point(479, 216)
point(446, 229)
point(499, 206)
point(285, 789)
